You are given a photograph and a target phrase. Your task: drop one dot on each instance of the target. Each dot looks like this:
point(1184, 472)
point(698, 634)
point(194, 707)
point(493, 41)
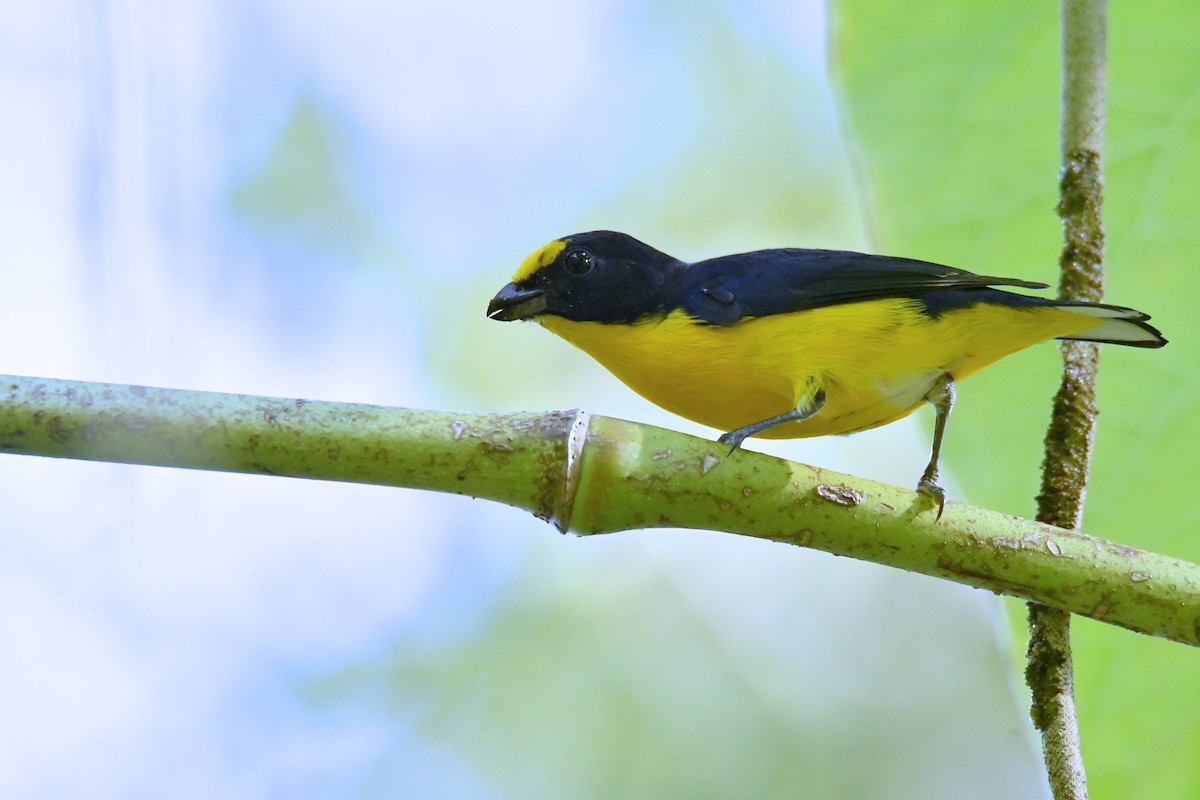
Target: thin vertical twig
point(1069, 437)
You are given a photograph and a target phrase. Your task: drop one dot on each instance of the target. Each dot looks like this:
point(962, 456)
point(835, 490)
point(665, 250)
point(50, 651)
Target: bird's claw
point(734, 439)
point(929, 487)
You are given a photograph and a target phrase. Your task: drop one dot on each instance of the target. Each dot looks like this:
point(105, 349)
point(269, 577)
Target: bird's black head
point(602, 276)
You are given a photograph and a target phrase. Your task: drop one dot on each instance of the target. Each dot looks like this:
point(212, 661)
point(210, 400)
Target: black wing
point(723, 290)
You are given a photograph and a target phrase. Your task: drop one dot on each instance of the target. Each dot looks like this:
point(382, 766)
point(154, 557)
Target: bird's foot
point(928, 486)
point(734, 439)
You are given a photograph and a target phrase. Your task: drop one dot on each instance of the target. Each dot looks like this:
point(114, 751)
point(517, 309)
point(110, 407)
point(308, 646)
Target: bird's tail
point(1117, 325)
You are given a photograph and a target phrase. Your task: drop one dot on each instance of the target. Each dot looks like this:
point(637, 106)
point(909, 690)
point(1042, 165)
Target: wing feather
point(723, 290)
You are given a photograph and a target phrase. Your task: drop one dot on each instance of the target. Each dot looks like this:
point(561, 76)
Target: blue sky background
point(317, 200)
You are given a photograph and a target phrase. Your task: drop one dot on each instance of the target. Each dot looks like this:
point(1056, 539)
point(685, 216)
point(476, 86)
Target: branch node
point(577, 436)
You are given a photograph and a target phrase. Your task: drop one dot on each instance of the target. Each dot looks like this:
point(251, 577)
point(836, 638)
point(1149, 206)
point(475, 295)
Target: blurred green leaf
point(612, 680)
point(955, 111)
point(305, 190)
point(597, 690)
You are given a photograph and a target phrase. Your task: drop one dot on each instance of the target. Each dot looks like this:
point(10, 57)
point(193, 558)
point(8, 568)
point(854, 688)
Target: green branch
point(591, 474)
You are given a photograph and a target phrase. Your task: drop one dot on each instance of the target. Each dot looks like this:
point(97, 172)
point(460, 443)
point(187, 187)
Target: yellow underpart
point(874, 360)
point(542, 257)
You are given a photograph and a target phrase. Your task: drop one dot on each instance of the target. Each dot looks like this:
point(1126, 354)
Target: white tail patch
point(1115, 312)
point(1119, 326)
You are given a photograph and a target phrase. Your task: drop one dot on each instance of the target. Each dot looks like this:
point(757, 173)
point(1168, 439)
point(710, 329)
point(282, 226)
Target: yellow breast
point(875, 360)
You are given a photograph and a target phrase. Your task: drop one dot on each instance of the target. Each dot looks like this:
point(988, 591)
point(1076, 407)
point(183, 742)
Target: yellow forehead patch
point(539, 258)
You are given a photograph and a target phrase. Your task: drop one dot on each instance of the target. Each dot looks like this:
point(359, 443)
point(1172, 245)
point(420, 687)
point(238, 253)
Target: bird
point(793, 342)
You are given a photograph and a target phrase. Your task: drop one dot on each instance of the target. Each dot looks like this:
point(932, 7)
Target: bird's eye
point(578, 262)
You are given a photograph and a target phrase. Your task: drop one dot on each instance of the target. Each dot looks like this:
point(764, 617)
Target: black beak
point(512, 303)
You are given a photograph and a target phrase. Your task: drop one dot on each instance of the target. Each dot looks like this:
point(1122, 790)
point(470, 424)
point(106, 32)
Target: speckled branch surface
point(1049, 671)
point(592, 474)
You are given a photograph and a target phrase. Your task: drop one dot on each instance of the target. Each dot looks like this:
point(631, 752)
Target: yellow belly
point(875, 360)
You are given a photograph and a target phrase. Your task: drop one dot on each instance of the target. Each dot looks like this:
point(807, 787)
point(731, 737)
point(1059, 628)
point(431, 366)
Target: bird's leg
point(809, 405)
point(941, 397)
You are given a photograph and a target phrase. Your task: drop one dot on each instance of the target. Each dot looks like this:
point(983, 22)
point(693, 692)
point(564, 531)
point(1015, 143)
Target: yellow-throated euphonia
point(792, 342)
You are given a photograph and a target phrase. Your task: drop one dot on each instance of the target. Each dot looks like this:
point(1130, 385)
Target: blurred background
point(316, 200)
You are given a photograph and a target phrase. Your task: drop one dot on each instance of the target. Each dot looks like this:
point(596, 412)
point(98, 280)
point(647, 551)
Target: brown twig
point(1069, 437)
